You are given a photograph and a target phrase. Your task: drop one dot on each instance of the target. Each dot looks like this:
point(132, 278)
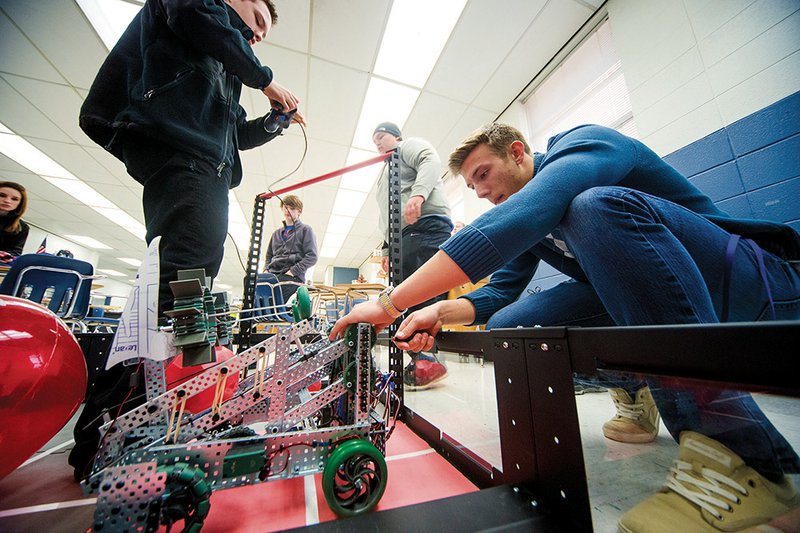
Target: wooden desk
point(363, 287)
point(327, 290)
point(361, 290)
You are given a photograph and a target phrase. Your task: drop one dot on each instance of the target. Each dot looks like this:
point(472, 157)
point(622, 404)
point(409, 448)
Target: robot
point(303, 405)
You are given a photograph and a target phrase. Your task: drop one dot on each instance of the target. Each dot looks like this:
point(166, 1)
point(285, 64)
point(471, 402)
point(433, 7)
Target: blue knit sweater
point(509, 240)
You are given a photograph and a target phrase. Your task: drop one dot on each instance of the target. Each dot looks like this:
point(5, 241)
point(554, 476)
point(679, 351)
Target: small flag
point(42, 247)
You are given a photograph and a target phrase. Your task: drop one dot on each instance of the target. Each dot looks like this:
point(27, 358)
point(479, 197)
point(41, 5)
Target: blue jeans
point(650, 261)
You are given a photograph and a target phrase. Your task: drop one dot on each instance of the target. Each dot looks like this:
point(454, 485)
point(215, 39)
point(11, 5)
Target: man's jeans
point(186, 203)
point(650, 261)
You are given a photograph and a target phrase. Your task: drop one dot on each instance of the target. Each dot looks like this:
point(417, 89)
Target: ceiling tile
point(291, 31)
point(26, 59)
point(105, 169)
point(472, 119)
point(77, 160)
point(347, 39)
point(52, 24)
point(23, 118)
point(289, 69)
point(336, 95)
point(480, 42)
point(446, 111)
point(8, 165)
point(60, 103)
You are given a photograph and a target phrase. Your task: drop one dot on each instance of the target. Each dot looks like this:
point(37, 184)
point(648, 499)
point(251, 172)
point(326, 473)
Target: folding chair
point(59, 283)
point(269, 305)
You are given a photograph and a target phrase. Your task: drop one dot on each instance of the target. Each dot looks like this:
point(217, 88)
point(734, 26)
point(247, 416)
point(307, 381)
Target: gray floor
point(619, 475)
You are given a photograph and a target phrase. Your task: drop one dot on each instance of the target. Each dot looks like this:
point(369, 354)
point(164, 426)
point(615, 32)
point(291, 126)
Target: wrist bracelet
point(387, 305)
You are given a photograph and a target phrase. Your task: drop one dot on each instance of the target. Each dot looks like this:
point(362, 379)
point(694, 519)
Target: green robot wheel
point(301, 309)
point(354, 478)
point(186, 497)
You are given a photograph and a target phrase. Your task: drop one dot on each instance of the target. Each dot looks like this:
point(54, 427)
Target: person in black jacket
point(13, 230)
point(166, 103)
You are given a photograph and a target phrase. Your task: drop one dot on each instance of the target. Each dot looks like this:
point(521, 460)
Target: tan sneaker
point(710, 489)
point(637, 418)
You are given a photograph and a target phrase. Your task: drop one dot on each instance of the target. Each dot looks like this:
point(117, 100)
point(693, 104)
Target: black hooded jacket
point(175, 76)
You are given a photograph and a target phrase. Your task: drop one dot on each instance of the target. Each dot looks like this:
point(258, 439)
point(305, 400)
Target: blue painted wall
point(344, 275)
point(750, 169)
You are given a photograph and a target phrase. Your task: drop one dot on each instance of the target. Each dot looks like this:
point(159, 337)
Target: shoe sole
point(591, 390)
point(628, 438)
point(426, 386)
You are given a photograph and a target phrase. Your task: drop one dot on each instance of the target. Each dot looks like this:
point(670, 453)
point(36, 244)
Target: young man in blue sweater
point(642, 246)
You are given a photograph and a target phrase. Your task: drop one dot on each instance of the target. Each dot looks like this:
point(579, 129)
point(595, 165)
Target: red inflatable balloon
point(43, 379)
point(177, 374)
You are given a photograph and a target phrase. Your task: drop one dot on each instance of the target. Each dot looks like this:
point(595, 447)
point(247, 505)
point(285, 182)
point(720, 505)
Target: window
point(588, 87)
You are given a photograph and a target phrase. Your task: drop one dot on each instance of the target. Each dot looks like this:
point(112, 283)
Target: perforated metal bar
point(249, 283)
point(395, 264)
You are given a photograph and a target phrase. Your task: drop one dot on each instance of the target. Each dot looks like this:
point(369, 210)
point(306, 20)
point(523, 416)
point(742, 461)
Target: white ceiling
point(324, 50)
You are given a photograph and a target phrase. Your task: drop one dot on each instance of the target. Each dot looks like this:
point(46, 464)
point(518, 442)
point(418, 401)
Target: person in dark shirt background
point(13, 230)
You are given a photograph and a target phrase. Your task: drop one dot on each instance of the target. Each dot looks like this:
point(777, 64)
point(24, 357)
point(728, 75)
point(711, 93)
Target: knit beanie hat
point(389, 128)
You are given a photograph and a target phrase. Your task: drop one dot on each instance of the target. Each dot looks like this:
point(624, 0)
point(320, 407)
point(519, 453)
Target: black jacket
point(176, 75)
point(13, 242)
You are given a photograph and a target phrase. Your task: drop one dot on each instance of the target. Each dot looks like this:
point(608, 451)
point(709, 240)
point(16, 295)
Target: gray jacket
point(297, 253)
point(420, 175)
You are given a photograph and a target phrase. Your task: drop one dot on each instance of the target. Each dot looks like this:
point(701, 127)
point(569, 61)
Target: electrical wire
point(302, 159)
point(269, 188)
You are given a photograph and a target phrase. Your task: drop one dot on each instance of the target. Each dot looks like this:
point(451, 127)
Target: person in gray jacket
point(426, 224)
point(292, 248)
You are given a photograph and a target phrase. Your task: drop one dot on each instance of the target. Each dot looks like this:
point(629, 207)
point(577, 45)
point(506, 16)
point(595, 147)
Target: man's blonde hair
point(498, 137)
point(292, 201)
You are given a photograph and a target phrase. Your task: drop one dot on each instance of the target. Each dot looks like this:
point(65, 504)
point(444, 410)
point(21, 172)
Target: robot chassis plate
point(158, 464)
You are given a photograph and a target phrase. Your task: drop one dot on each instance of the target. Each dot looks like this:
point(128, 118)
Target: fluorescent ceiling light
point(3, 129)
point(328, 252)
point(385, 101)
point(81, 191)
point(348, 203)
point(88, 241)
point(241, 235)
point(31, 157)
point(131, 261)
point(111, 272)
point(123, 220)
point(333, 240)
point(364, 178)
point(415, 35)
point(110, 17)
point(238, 226)
point(340, 224)
point(27, 155)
